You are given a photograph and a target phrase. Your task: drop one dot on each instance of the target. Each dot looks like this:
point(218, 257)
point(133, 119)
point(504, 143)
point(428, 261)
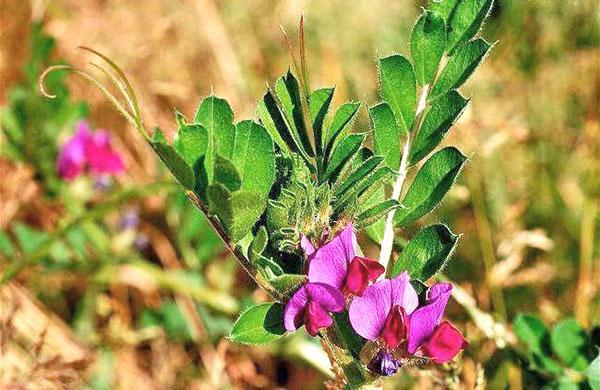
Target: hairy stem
point(388, 236)
point(234, 249)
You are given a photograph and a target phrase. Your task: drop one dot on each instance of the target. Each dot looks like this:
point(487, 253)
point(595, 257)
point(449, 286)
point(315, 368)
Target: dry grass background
point(527, 202)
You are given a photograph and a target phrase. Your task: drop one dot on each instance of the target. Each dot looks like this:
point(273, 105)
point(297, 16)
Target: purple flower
point(383, 309)
point(439, 340)
point(130, 219)
point(336, 264)
point(311, 306)
point(384, 363)
point(72, 157)
point(388, 312)
point(88, 149)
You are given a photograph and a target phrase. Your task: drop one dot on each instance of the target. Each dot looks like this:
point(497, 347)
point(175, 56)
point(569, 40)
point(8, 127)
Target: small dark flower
point(384, 363)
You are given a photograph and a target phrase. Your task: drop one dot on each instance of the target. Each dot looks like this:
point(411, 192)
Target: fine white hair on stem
point(388, 235)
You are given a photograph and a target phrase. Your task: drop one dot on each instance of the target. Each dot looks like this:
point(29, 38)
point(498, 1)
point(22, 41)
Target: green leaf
point(288, 92)
point(427, 253)
point(531, 331)
point(570, 342)
point(375, 230)
point(272, 119)
point(443, 7)
point(430, 185)
point(215, 115)
point(375, 213)
point(357, 175)
point(288, 284)
point(342, 154)
point(386, 134)
point(427, 43)
point(369, 182)
point(460, 66)
point(465, 21)
point(254, 156)
point(260, 324)
point(398, 88)
point(340, 125)
point(6, 246)
point(29, 239)
point(259, 243)
point(227, 174)
point(318, 105)
point(593, 373)
point(176, 164)
point(438, 120)
point(238, 211)
point(191, 141)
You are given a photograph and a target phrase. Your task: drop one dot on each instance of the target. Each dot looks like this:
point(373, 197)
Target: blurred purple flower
point(311, 306)
point(141, 242)
point(88, 149)
point(336, 264)
point(130, 219)
point(388, 312)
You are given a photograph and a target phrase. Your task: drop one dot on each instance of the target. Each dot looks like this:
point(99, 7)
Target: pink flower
point(336, 264)
point(311, 306)
point(439, 340)
point(88, 149)
point(388, 312)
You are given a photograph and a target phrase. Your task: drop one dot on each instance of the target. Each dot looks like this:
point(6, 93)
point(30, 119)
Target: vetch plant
point(289, 192)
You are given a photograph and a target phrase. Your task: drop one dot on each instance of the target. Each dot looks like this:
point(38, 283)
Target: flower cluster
point(91, 150)
point(387, 312)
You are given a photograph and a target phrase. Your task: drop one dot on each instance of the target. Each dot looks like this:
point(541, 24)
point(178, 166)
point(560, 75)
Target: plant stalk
point(387, 243)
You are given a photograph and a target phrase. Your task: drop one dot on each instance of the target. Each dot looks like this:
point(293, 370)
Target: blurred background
point(120, 283)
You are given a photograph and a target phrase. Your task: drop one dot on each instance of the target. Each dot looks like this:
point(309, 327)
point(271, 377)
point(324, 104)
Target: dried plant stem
point(585, 284)
point(486, 243)
point(388, 236)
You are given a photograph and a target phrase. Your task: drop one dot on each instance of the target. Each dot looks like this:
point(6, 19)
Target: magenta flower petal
point(445, 342)
point(72, 156)
point(362, 271)
point(302, 307)
point(102, 159)
point(425, 319)
point(369, 312)
point(316, 318)
point(293, 314)
point(307, 246)
point(395, 329)
point(328, 297)
point(330, 262)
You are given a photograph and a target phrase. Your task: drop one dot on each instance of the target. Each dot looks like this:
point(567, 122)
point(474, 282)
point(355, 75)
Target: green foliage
point(460, 66)
point(465, 21)
point(427, 252)
point(175, 162)
point(570, 343)
point(431, 184)
point(386, 134)
point(238, 211)
point(259, 324)
point(398, 88)
point(553, 352)
point(438, 120)
point(427, 43)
